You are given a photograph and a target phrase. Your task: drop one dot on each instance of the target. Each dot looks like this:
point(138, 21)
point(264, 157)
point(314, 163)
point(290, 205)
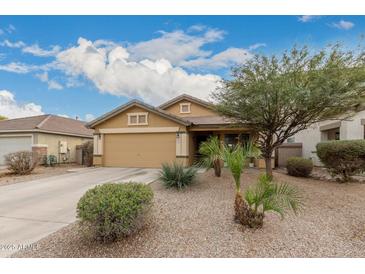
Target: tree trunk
point(268, 166)
point(217, 168)
point(244, 215)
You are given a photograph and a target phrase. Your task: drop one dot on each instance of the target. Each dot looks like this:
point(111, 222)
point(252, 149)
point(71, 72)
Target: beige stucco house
point(45, 134)
point(139, 135)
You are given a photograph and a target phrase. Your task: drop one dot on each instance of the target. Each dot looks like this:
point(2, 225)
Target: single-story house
point(139, 135)
point(45, 134)
point(352, 128)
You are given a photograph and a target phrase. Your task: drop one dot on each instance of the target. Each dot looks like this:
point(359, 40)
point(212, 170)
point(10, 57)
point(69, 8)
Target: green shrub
point(343, 158)
point(176, 175)
point(110, 211)
point(299, 167)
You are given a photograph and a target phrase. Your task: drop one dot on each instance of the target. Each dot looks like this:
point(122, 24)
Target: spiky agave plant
point(176, 175)
point(267, 195)
point(212, 155)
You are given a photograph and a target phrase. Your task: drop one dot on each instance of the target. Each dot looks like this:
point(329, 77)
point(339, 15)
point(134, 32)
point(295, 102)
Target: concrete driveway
point(32, 210)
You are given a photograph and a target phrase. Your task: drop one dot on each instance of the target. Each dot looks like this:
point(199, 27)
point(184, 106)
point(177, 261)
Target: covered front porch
point(227, 136)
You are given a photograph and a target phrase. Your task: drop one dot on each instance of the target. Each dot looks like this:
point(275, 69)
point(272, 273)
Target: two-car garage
point(139, 150)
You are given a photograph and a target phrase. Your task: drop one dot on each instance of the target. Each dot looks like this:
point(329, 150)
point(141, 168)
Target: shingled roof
point(46, 123)
point(188, 98)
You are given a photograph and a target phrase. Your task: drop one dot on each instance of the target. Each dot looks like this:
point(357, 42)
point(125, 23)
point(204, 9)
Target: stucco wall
point(142, 149)
point(351, 129)
point(195, 110)
point(52, 140)
point(154, 120)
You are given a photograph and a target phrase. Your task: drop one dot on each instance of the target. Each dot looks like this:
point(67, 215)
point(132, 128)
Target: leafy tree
point(279, 96)
point(2, 117)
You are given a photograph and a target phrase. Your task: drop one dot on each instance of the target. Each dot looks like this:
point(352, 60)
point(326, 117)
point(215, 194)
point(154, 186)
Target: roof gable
point(140, 104)
point(187, 98)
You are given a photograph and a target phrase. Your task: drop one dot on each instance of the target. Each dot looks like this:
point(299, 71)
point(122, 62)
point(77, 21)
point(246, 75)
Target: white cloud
point(7, 43)
point(37, 51)
point(63, 115)
point(32, 49)
point(308, 18)
point(10, 108)
point(197, 28)
point(89, 117)
point(344, 25)
point(112, 72)
point(18, 68)
point(175, 46)
point(1, 32)
point(224, 59)
point(256, 46)
point(152, 70)
point(52, 84)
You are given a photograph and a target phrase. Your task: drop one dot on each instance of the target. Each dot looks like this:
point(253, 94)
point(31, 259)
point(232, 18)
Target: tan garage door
point(139, 150)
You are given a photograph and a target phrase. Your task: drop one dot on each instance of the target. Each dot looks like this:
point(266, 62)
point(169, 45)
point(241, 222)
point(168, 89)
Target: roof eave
point(44, 131)
point(187, 97)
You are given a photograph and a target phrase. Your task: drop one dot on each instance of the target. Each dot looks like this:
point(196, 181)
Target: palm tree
point(236, 160)
point(212, 155)
point(267, 195)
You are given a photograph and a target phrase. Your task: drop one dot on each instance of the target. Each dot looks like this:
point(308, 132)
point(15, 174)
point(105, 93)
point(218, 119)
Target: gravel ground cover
point(7, 178)
point(198, 222)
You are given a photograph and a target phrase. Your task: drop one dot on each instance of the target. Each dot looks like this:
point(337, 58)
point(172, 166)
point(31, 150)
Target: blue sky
point(86, 65)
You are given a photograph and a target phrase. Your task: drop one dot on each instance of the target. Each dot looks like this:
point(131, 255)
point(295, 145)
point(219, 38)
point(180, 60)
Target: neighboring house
point(349, 129)
point(140, 135)
point(46, 134)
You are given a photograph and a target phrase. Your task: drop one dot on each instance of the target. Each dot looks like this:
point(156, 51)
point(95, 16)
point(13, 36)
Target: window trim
point(137, 114)
point(185, 104)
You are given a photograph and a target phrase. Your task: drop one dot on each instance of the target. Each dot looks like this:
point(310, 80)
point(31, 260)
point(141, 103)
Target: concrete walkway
point(32, 210)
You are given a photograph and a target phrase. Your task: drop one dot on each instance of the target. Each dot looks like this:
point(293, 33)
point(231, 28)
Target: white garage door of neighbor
point(13, 144)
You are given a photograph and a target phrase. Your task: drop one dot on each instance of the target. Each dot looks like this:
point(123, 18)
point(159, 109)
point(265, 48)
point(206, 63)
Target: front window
point(231, 140)
point(142, 119)
point(137, 119)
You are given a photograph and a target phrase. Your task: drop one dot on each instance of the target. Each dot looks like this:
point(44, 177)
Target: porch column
point(221, 138)
point(98, 149)
point(182, 148)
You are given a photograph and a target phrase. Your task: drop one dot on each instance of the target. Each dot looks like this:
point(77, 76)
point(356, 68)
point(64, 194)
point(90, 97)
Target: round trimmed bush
point(343, 158)
point(110, 211)
point(299, 167)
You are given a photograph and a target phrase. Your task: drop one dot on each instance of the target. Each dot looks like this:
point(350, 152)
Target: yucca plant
point(175, 175)
point(267, 195)
point(212, 155)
